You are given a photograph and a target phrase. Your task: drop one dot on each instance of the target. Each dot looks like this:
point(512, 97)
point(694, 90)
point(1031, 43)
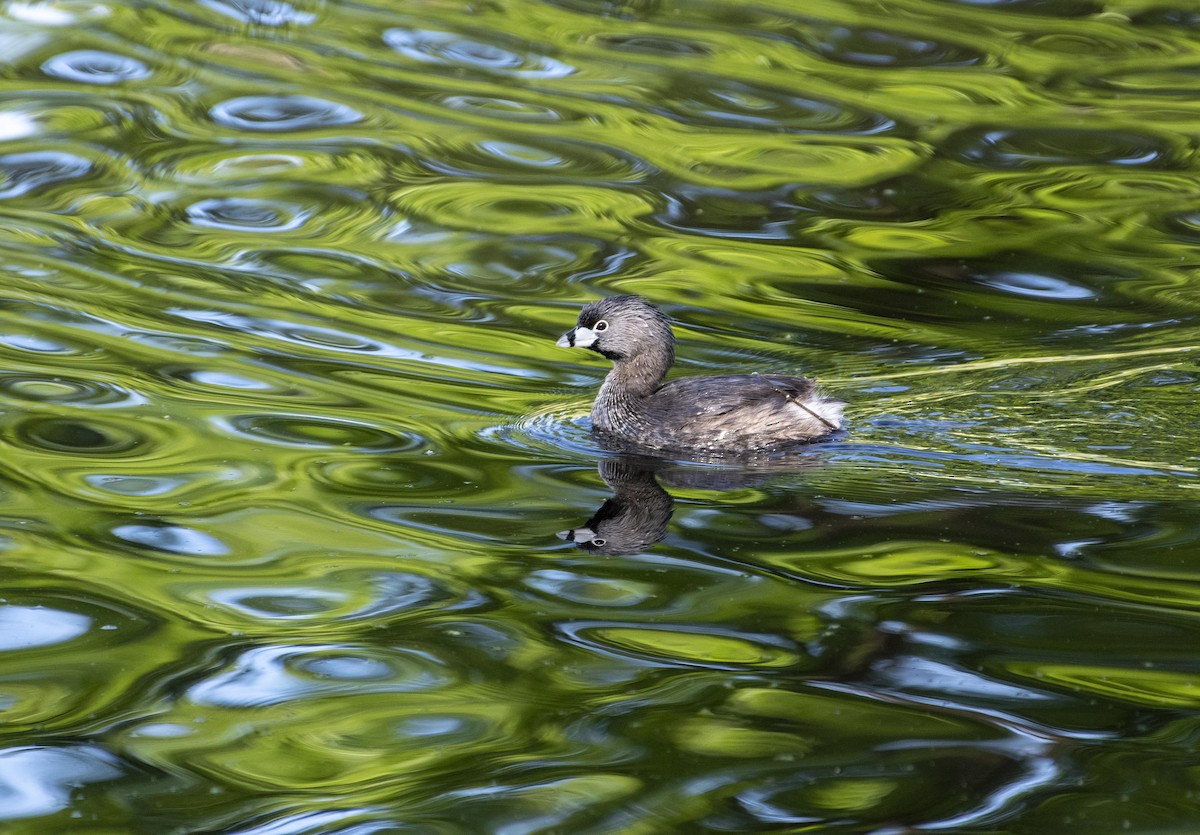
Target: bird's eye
point(599, 543)
point(600, 326)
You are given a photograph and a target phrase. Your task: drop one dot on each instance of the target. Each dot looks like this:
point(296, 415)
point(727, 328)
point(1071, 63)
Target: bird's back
point(745, 411)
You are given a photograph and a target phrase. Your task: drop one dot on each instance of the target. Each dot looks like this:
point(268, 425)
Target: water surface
point(287, 441)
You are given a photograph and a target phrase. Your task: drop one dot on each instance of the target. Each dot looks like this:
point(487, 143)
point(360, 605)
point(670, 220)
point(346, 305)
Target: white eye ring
point(599, 543)
point(600, 326)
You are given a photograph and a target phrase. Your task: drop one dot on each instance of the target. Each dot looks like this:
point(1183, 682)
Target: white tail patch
point(825, 410)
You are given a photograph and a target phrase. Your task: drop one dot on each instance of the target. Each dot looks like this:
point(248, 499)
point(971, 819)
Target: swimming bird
point(726, 414)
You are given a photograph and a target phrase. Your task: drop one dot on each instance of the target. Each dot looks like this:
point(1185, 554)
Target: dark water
point(286, 439)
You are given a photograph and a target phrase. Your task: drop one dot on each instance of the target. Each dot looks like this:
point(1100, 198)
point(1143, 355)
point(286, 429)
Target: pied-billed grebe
point(732, 413)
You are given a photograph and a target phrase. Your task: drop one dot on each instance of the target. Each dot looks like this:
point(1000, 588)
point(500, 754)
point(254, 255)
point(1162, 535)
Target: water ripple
point(553, 431)
point(408, 476)
point(726, 102)
point(23, 627)
point(261, 12)
point(243, 214)
point(507, 209)
point(56, 12)
point(42, 780)
point(712, 648)
point(861, 46)
point(449, 48)
point(171, 539)
point(659, 45)
point(275, 675)
point(92, 66)
point(1036, 147)
point(46, 388)
point(53, 672)
point(504, 108)
point(1037, 286)
point(766, 161)
point(339, 600)
point(283, 113)
point(203, 480)
point(500, 160)
point(22, 173)
point(319, 433)
point(83, 437)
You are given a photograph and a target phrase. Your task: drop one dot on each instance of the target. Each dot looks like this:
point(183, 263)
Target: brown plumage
point(731, 413)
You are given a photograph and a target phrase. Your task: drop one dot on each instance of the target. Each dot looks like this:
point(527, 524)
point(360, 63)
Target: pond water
point(287, 441)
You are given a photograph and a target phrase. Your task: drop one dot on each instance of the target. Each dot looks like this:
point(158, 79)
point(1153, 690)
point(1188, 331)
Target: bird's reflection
point(636, 515)
point(633, 518)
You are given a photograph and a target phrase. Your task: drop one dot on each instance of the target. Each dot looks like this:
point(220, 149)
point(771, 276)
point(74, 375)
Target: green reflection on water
point(288, 440)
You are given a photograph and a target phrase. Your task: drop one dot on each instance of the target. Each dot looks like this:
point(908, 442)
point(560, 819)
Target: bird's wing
point(710, 397)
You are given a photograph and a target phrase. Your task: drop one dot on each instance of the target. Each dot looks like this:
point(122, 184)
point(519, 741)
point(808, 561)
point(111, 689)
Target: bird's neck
point(621, 405)
point(641, 375)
